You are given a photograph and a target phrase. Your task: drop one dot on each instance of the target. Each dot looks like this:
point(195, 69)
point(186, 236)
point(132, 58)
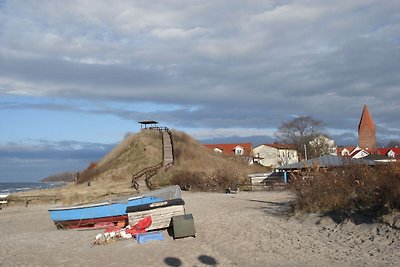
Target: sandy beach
point(244, 229)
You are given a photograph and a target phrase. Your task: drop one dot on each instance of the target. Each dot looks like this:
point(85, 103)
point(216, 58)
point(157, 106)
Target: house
point(354, 152)
point(345, 151)
point(274, 155)
point(241, 149)
point(392, 152)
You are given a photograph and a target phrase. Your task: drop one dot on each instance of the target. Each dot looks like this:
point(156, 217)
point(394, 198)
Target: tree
point(299, 132)
point(393, 143)
point(321, 145)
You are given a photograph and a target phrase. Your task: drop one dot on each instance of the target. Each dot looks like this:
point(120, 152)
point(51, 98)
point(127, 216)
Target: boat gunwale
point(124, 201)
point(155, 205)
point(84, 206)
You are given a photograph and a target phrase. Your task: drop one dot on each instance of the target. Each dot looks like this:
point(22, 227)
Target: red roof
point(384, 151)
point(349, 148)
point(356, 151)
point(379, 151)
point(229, 149)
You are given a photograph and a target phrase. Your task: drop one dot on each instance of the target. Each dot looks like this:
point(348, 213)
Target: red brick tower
point(366, 131)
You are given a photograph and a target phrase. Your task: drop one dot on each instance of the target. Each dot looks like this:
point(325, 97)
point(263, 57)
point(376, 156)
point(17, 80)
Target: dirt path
point(244, 229)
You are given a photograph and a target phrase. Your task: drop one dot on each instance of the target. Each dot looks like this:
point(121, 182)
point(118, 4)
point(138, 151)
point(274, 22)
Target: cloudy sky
point(76, 76)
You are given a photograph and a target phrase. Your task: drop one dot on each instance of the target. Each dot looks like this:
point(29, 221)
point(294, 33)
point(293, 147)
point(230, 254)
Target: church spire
point(366, 131)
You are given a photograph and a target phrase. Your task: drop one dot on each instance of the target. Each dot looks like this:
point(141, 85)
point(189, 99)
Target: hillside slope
point(194, 165)
point(201, 168)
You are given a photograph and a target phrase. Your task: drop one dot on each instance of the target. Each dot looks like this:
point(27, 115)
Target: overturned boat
point(109, 212)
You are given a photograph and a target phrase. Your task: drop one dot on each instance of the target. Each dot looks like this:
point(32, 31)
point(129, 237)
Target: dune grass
point(354, 189)
point(194, 165)
point(201, 168)
point(134, 153)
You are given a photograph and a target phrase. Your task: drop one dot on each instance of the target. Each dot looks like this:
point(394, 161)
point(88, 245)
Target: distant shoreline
point(18, 187)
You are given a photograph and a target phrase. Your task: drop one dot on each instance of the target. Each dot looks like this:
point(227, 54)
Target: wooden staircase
point(168, 150)
point(141, 179)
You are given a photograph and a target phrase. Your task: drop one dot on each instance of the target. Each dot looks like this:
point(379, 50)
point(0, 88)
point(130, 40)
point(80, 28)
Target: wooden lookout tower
point(148, 124)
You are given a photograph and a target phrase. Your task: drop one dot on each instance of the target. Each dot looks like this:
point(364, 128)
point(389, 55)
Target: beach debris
point(186, 188)
point(114, 233)
point(233, 190)
point(149, 236)
point(183, 226)
point(3, 200)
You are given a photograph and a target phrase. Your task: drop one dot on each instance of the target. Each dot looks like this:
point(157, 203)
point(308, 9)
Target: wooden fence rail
point(28, 198)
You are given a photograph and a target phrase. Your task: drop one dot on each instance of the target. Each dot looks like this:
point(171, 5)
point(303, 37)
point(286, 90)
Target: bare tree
point(299, 132)
point(393, 143)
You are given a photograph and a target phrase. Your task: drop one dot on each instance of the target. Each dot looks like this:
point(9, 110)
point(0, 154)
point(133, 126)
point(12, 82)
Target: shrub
point(217, 180)
point(88, 174)
point(350, 189)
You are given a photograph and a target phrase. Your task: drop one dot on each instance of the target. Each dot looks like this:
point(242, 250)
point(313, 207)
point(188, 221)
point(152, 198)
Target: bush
point(88, 174)
point(217, 180)
point(350, 189)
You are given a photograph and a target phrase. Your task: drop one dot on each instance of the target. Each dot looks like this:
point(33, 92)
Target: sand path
point(246, 229)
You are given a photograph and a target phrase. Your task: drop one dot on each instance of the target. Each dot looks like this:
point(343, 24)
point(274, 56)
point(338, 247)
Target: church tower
point(366, 131)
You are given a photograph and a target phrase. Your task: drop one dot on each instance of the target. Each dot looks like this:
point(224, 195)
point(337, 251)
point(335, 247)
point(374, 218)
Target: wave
point(9, 188)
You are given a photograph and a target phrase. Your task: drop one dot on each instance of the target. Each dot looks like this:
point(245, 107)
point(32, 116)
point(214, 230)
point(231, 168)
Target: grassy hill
point(194, 165)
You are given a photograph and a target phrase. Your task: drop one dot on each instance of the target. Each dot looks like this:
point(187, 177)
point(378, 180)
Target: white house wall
point(273, 157)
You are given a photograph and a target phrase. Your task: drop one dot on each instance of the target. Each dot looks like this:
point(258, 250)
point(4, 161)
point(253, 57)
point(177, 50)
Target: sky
point(76, 76)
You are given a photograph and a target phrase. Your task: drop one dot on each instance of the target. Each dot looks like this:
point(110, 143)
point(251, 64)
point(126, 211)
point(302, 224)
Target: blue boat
point(108, 212)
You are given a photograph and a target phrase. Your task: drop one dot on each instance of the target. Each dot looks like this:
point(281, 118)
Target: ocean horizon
point(16, 187)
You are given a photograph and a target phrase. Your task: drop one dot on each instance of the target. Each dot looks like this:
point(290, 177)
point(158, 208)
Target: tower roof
point(366, 120)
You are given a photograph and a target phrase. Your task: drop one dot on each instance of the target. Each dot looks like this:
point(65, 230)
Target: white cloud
point(178, 33)
point(237, 63)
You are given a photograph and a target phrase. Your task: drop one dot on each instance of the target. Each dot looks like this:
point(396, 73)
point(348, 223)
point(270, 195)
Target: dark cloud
point(222, 64)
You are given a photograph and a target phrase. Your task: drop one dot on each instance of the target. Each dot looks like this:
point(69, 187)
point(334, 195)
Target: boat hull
point(95, 215)
point(93, 223)
point(108, 212)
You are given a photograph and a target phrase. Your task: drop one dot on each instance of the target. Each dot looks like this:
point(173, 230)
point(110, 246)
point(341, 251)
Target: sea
point(9, 188)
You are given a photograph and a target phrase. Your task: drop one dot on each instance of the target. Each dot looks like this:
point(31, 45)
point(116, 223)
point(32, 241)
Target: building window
point(238, 151)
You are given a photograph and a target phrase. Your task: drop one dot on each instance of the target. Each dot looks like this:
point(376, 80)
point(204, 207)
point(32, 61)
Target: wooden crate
point(161, 217)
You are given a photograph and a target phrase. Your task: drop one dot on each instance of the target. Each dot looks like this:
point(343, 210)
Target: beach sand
point(244, 229)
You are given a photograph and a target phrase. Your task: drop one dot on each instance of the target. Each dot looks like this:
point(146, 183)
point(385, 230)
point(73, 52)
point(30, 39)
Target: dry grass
point(133, 154)
point(201, 168)
point(349, 190)
point(194, 165)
